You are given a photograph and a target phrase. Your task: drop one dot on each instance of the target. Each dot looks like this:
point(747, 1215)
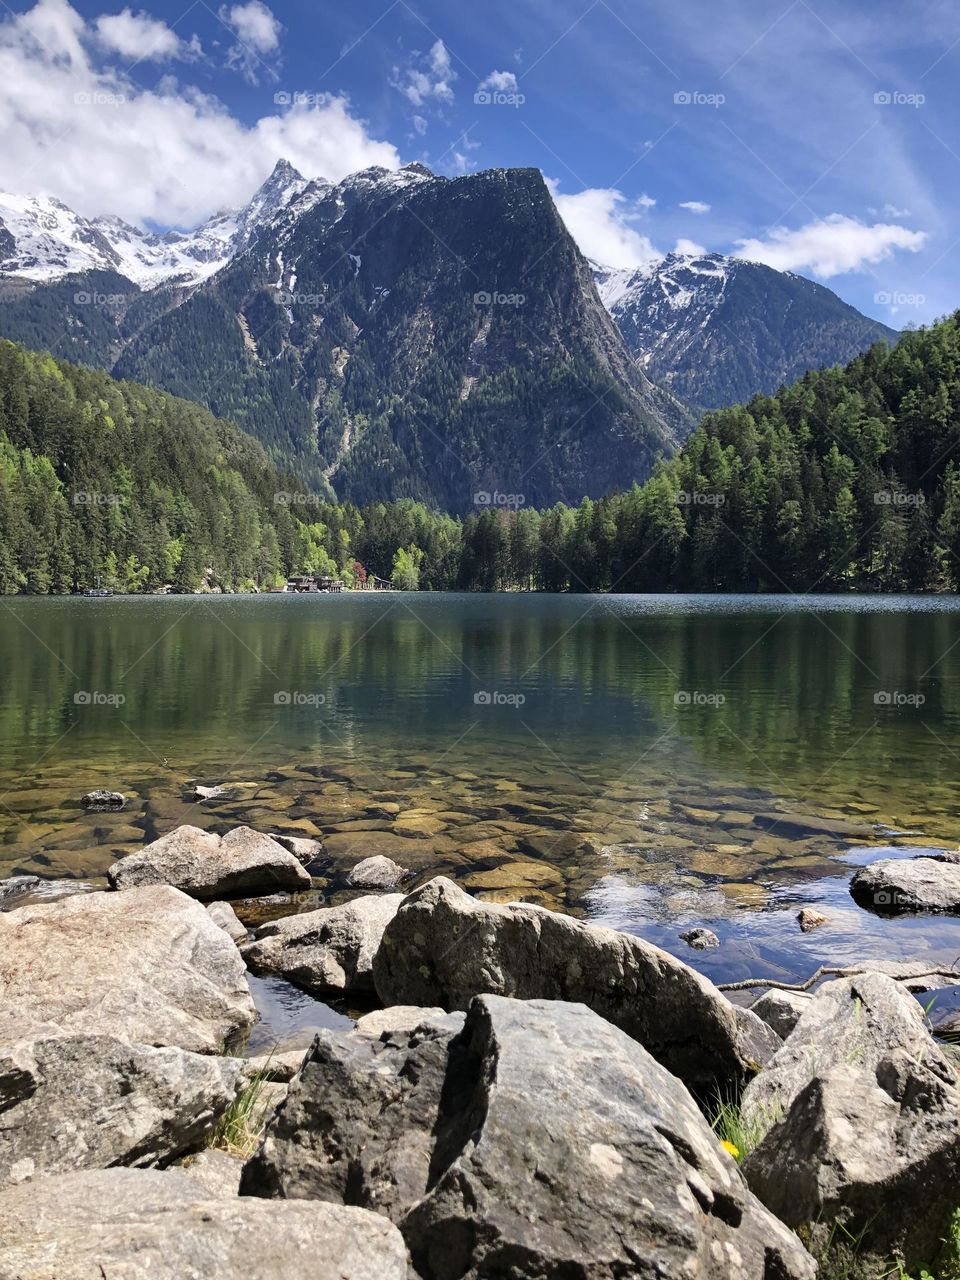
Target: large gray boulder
point(914, 884)
point(874, 1148)
point(149, 966)
point(206, 866)
point(75, 1101)
point(147, 1225)
point(852, 1021)
point(327, 950)
point(444, 947)
point(539, 1142)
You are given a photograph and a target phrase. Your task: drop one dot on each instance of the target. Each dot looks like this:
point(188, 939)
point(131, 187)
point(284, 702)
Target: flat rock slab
point(915, 884)
point(149, 966)
point(147, 1225)
point(443, 947)
point(539, 1141)
point(207, 866)
point(87, 1102)
point(791, 824)
point(328, 950)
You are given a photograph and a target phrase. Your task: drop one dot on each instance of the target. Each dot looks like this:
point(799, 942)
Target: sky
point(820, 138)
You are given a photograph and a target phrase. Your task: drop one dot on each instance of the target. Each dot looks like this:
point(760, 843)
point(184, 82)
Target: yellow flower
point(729, 1146)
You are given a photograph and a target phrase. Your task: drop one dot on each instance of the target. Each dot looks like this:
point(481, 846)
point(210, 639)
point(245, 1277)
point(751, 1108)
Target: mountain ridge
point(690, 321)
point(42, 239)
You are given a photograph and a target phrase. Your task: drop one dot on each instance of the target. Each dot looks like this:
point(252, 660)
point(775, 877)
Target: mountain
point(396, 334)
point(108, 480)
point(716, 330)
point(42, 239)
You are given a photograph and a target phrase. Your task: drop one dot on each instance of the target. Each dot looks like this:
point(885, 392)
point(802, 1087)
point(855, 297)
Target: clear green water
point(618, 772)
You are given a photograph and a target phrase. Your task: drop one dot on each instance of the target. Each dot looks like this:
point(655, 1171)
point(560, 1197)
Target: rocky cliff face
point(406, 335)
point(395, 335)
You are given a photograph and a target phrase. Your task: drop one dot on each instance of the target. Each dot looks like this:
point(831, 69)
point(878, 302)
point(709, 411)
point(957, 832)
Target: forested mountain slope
point(105, 480)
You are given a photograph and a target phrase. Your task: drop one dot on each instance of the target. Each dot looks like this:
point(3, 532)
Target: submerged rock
point(809, 919)
point(377, 873)
point(147, 1225)
point(443, 948)
point(539, 1141)
point(700, 939)
point(915, 884)
point(240, 864)
point(103, 801)
point(149, 965)
point(73, 1101)
point(327, 950)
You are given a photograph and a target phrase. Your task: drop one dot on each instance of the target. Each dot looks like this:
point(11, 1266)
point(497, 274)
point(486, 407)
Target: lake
point(646, 762)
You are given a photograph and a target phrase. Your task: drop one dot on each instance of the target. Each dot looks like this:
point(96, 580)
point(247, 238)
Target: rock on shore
point(142, 1225)
point(443, 947)
point(90, 1101)
point(149, 965)
point(539, 1141)
point(206, 866)
point(327, 950)
point(862, 1118)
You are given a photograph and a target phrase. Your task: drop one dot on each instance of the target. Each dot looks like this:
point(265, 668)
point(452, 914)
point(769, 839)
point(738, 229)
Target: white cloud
point(891, 211)
point(600, 220)
point(257, 33)
point(830, 246)
point(689, 248)
point(137, 36)
point(695, 206)
point(499, 82)
point(172, 154)
point(427, 78)
point(255, 25)
point(420, 125)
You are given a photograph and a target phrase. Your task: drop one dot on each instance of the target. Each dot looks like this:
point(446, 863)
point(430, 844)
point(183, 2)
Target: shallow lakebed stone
point(148, 1225)
point(443, 947)
point(240, 864)
point(538, 1141)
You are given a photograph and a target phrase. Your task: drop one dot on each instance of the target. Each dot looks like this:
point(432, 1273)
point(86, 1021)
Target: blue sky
point(818, 137)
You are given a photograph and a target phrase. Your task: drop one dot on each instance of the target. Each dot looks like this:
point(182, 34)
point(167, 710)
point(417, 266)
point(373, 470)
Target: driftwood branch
point(829, 971)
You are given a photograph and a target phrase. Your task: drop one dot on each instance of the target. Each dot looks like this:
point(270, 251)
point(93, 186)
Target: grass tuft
point(241, 1126)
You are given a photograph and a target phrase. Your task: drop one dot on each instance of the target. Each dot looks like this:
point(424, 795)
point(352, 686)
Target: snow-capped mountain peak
point(717, 329)
point(42, 239)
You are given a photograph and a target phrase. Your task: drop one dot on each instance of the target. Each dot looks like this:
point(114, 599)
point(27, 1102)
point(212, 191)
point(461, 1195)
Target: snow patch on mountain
point(45, 240)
